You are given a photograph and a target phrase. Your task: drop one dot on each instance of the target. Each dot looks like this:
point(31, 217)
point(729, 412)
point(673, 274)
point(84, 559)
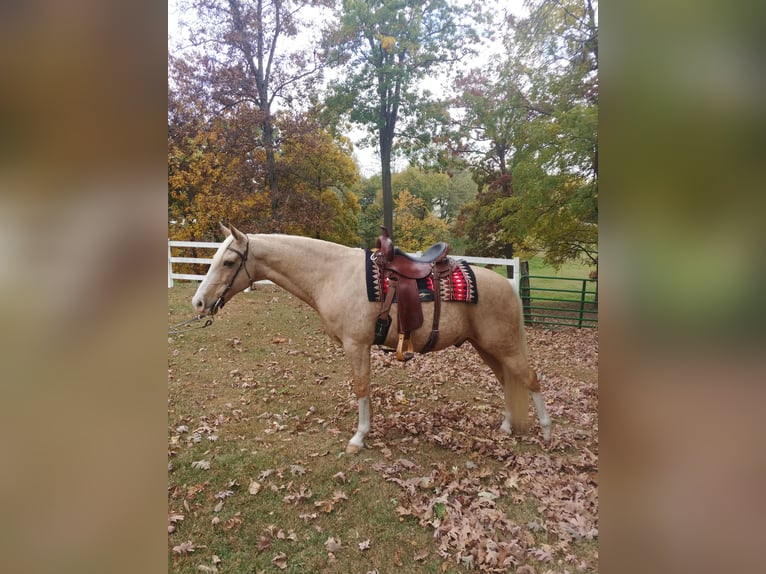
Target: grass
point(537, 266)
point(264, 397)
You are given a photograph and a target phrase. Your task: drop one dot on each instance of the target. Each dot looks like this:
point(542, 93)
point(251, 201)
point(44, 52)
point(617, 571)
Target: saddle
point(402, 272)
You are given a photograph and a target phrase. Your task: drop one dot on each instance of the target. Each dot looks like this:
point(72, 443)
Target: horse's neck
point(297, 264)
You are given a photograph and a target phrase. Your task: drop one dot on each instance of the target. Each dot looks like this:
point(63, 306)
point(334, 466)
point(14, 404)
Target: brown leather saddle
point(402, 272)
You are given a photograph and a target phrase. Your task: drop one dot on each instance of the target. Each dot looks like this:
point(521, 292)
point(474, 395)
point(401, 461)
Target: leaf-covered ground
point(259, 413)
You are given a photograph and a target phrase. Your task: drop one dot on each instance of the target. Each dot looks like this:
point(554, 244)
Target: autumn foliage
point(217, 172)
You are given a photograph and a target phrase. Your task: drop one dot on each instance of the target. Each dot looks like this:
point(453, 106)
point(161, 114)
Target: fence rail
point(513, 263)
point(580, 309)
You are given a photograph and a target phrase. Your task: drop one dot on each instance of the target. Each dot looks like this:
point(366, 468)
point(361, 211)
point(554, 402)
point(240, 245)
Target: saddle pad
point(461, 286)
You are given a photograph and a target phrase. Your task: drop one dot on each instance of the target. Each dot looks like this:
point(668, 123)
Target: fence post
point(582, 303)
point(170, 268)
point(524, 291)
point(514, 273)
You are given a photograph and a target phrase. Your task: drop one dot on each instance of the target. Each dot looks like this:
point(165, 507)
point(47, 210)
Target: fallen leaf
point(340, 477)
point(266, 473)
point(297, 469)
point(302, 494)
point(420, 555)
point(333, 544)
point(326, 505)
point(339, 495)
point(264, 542)
point(234, 522)
point(254, 488)
point(201, 464)
point(218, 507)
point(279, 340)
point(280, 561)
point(206, 568)
point(318, 454)
point(184, 547)
point(364, 545)
point(512, 481)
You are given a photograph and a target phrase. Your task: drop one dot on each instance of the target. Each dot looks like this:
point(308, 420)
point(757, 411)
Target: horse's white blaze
point(364, 423)
point(198, 301)
point(542, 414)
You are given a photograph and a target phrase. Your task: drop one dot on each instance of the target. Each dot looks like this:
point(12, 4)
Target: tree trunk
point(271, 172)
point(388, 198)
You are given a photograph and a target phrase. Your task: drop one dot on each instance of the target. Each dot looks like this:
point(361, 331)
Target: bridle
point(242, 258)
point(182, 326)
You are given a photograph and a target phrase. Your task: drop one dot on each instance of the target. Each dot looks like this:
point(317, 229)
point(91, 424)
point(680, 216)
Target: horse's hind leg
point(359, 356)
point(539, 402)
point(497, 368)
point(519, 382)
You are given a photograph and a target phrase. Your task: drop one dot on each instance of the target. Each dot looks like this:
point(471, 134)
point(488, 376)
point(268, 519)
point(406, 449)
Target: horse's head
point(228, 273)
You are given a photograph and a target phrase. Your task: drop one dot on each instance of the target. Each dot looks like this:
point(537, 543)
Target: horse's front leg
point(359, 355)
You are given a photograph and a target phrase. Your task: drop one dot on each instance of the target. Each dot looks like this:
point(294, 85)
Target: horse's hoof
point(352, 449)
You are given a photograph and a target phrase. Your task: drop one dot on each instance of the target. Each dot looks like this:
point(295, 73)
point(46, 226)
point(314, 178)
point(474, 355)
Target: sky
point(368, 158)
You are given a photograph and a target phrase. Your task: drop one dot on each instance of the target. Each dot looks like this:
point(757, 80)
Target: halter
point(242, 258)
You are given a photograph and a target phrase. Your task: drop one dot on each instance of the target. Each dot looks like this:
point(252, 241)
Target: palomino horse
point(331, 279)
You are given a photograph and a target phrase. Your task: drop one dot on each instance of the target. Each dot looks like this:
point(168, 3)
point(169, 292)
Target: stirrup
point(402, 355)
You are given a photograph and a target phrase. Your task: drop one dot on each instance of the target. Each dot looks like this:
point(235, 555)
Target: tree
point(492, 112)
point(320, 174)
point(442, 194)
point(215, 174)
point(210, 179)
point(558, 166)
point(247, 56)
point(368, 193)
point(384, 48)
point(417, 228)
point(529, 130)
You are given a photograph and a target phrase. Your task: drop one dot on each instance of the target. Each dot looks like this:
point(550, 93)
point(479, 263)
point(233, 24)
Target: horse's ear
point(239, 237)
point(224, 229)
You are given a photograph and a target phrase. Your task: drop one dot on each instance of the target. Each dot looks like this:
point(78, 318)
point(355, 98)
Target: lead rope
point(175, 329)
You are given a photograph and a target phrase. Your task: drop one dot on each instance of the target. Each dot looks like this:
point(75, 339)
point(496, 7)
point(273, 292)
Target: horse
point(330, 278)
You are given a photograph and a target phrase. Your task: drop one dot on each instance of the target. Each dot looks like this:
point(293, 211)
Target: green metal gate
point(558, 301)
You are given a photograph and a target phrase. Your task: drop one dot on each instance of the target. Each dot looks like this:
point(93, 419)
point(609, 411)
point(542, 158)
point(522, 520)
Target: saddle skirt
point(460, 287)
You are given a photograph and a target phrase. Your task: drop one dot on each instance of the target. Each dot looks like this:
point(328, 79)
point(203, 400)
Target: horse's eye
point(228, 263)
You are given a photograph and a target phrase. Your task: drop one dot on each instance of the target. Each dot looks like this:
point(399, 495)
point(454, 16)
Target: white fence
point(514, 263)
